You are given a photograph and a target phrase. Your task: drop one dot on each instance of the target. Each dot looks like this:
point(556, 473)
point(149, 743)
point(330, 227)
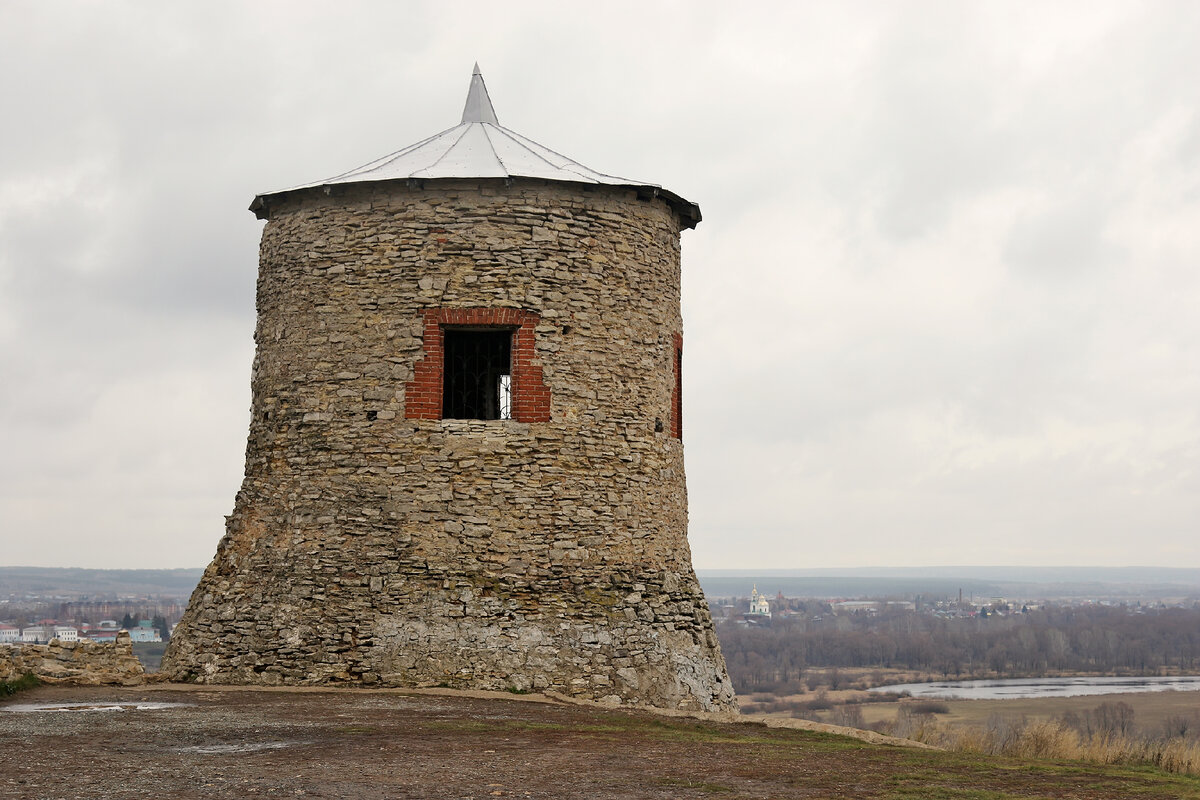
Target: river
point(1016, 688)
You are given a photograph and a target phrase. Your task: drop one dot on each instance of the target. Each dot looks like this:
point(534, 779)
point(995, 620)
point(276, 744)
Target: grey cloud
point(942, 303)
point(1064, 241)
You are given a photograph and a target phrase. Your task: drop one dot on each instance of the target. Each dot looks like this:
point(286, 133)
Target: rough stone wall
point(367, 546)
point(80, 663)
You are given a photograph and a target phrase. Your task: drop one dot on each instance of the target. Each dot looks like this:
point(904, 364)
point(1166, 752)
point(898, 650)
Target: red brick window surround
point(530, 397)
point(677, 389)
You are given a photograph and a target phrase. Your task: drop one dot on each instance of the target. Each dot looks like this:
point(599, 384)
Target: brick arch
point(530, 396)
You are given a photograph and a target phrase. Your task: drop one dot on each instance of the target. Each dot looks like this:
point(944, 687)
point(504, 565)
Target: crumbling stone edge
point(75, 663)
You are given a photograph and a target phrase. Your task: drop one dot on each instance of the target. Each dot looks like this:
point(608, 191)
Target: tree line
point(1095, 639)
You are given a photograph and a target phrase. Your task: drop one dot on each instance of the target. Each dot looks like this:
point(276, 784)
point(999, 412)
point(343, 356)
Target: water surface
point(25, 708)
point(1015, 688)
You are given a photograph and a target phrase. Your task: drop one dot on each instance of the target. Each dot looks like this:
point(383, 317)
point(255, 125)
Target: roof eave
point(688, 212)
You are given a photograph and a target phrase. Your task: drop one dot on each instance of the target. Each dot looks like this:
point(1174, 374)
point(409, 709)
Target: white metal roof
point(479, 147)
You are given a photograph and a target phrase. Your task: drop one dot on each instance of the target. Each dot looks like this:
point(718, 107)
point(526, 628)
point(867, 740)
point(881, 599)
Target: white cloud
point(942, 308)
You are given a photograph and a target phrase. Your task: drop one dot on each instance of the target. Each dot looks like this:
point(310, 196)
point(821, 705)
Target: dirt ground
point(229, 743)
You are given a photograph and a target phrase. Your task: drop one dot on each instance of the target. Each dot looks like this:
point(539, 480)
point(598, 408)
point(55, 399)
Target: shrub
point(1105, 721)
point(1056, 739)
point(1047, 740)
point(1002, 732)
point(916, 726)
point(819, 703)
point(849, 715)
point(1182, 726)
point(26, 681)
point(1177, 755)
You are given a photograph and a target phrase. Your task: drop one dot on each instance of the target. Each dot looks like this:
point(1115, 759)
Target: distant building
point(65, 633)
point(855, 606)
point(36, 634)
point(759, 605)
point(9, 633)
point(144, 632)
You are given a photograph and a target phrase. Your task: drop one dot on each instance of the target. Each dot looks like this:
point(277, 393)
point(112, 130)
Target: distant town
point(814, 620)
point(106, 630)
point(757, 609)
point(41, 604)
point(36, 619)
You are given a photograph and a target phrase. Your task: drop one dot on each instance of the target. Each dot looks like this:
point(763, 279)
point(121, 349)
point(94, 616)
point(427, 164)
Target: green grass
point(26, 681)
point(957, 793)
point(721, 759)
point(684, 783)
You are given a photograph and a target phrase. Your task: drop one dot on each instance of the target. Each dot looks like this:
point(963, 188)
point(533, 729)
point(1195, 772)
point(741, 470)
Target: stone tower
point(465, 464)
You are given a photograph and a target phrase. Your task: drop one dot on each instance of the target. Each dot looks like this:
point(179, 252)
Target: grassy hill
point(225, 742)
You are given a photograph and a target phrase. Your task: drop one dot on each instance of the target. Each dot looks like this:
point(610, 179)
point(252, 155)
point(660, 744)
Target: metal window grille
point(477, 379)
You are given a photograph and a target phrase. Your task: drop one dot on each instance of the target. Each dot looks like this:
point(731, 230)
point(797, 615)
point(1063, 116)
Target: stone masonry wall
point(370, 545)
point(78, 663)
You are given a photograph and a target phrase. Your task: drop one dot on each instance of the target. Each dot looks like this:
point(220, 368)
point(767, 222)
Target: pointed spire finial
point(479, 105)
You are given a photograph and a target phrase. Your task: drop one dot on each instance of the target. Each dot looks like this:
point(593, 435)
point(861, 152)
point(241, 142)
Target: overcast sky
point(943, 308)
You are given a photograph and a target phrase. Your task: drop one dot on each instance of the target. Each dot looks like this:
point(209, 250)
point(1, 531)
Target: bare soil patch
point(230, 743)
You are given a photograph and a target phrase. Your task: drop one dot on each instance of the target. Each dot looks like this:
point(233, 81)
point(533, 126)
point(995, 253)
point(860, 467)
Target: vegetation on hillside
point(1104, 735)
point(26, 681)
point(777, 657)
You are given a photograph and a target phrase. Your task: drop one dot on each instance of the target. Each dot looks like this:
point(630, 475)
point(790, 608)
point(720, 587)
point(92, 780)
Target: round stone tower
point(465, 464)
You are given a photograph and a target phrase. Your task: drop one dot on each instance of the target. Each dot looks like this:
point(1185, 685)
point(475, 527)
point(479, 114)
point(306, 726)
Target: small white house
point(66, 633)
point(37, 634)
point(9, 633)
point(144, 632)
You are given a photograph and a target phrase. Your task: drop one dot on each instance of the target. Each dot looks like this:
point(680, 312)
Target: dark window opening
point(477, 380)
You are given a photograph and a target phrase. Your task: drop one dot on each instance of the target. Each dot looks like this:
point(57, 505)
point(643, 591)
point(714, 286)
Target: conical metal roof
point(479, 147)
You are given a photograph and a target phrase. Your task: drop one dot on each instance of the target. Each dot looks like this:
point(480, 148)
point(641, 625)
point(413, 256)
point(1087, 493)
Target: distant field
point(1150, 708)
